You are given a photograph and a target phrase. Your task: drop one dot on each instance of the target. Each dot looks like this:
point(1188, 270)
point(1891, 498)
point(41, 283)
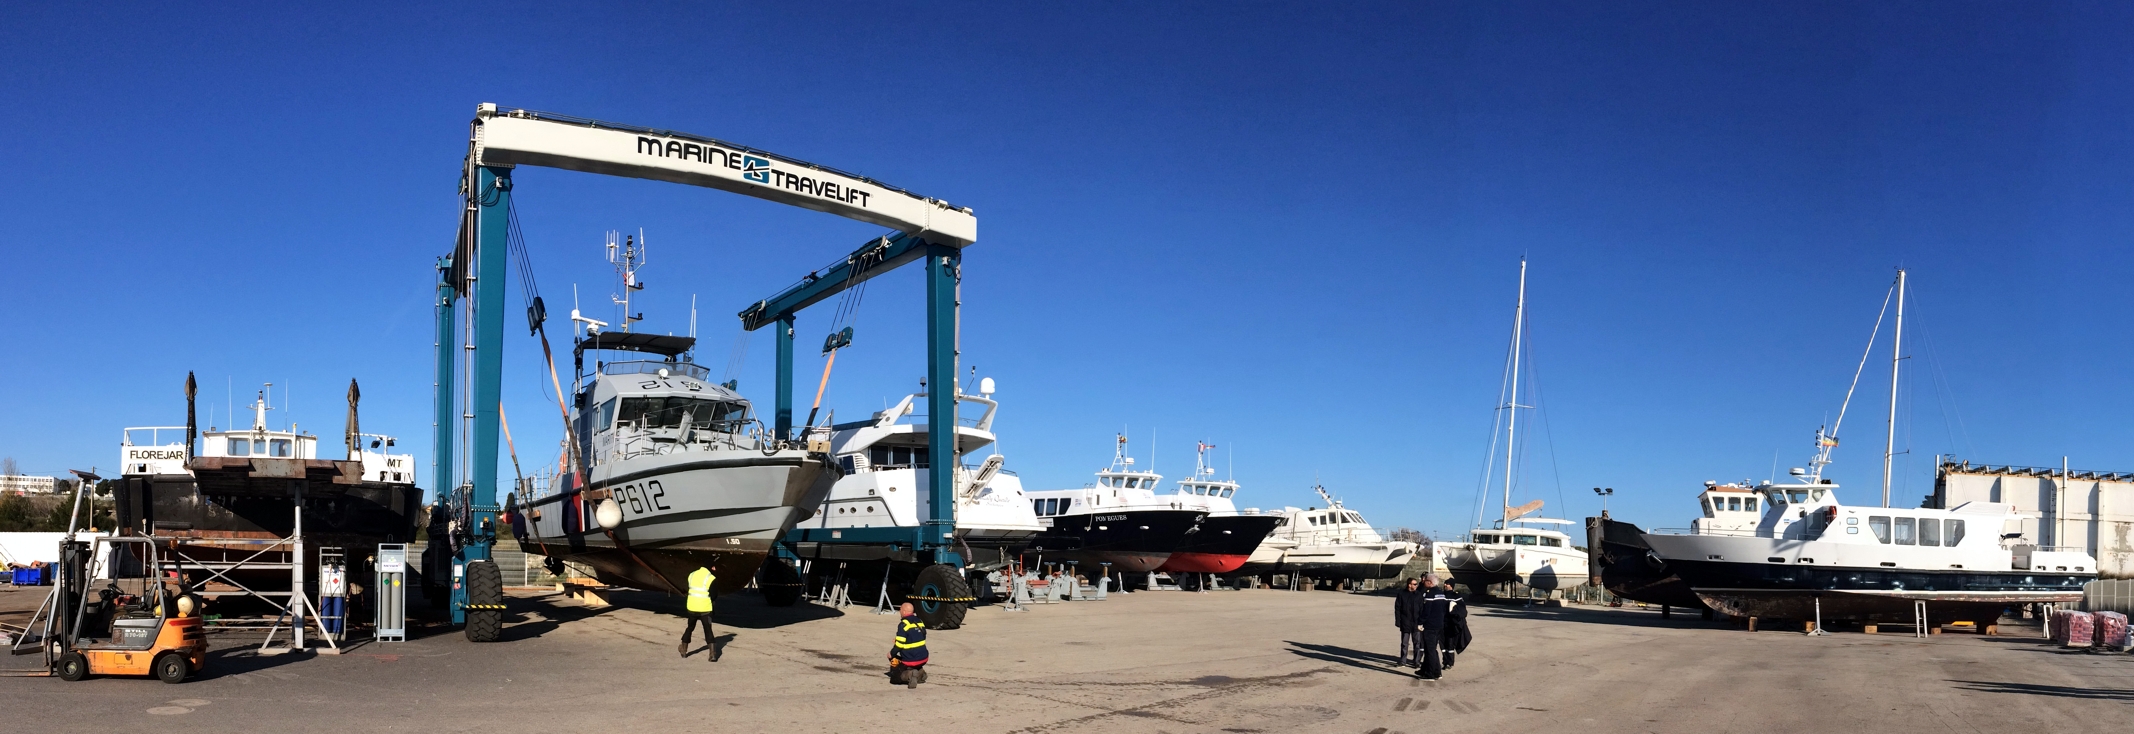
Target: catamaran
point(1541, 558)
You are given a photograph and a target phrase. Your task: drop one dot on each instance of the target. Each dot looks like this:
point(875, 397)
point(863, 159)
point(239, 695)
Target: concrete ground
point(1242, 661)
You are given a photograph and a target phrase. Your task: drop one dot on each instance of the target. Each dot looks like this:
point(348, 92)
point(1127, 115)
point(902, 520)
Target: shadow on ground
point(2034, 689)
point(743, 610)
point(1363, 660)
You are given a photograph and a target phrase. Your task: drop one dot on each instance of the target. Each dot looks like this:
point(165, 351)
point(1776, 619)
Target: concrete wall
point(2092, 511)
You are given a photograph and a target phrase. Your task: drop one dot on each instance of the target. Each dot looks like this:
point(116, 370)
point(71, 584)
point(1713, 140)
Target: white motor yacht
point(1331, 543)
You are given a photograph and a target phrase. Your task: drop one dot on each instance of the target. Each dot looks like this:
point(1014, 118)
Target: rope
point(952, 599)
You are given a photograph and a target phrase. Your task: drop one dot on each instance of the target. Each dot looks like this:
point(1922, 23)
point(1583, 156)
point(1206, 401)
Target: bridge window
point(1733, 504)
point(279, 447)
point(1552, 542)
point(1929, 531)
point(1749, 505)
point(1524, 540)
point(1904, 531)
point(1706, 505)
point(606, 419)
point(240, 447)
point(1956, 532)
point(1880, 526)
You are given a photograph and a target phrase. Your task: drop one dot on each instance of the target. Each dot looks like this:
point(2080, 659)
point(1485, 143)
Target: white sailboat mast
point(1896, 354)
point(1511, 421)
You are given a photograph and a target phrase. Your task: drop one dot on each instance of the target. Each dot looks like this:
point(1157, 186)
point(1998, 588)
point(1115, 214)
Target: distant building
point(2090, 511)
point(25, 484)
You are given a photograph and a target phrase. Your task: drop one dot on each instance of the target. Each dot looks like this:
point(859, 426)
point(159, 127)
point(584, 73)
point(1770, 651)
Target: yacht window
point(1904, 531)
point(1929, 531)
point(1523, 540)
point(1065, 504)
point(1706, 503)
point(240, 447)
point(1733, 504)
point(1037, 506)
point(1749, 505)
point(607, 416)
point(1355, 518)
point(1796, 497)
point(280, 447)
point(846, 462)
point(1552, 542)
point(1956, 532)
point(1880, 526)
point(1228, 492)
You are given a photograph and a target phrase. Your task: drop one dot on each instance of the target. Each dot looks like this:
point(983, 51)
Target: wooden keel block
point(1868, 629)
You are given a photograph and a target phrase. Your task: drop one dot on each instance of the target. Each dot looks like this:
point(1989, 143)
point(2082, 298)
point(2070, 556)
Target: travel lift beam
point(501, 140)
point(932, 541)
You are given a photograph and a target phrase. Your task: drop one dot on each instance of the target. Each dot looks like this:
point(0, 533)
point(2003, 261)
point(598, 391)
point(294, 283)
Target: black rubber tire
point(485, 588)
point(73, 667)
point(781, 584)
point(172, 667)
point(941, 581)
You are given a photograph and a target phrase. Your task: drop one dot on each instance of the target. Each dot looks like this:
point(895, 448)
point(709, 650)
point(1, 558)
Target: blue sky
point(1289, 230)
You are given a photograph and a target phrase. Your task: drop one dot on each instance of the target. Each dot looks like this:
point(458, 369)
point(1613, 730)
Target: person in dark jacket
point(1407, 606)
point(1437, 604)
point(907, 655)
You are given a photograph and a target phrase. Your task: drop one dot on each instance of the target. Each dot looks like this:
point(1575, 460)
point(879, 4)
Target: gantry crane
point(472, 279)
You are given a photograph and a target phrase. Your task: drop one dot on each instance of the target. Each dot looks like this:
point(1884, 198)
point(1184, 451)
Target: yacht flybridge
point(884, 463)
point(1810, 557)
point(1118, 520)
point(1334, 543)
point(1541, 558)
point(665, 471)
point(1226, 539)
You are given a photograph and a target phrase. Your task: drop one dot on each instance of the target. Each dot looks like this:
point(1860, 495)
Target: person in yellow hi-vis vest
point(700, 613)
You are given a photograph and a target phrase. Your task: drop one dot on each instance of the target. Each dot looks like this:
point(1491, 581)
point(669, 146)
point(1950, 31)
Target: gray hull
point(721, 510)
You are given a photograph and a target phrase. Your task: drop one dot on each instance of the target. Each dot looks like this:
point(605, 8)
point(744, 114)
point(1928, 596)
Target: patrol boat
point(1119, 519)
point(884, 462)
point(1227, 538)
point(664, 470)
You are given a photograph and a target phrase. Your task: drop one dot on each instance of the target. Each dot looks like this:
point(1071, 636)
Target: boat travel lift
point(501, 140)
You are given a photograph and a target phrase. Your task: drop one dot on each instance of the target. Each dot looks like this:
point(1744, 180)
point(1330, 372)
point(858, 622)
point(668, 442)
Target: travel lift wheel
point(781, 584)
point(172, 667)
point(73, 667)
point(941, 597)
point(485, 601)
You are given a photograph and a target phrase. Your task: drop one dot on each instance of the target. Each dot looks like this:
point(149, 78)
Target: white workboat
point(1334, 543)
point(1810, 557)
point(1518, 547)
point(671, 471)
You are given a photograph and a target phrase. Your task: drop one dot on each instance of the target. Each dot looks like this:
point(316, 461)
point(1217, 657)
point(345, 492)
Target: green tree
point(15, 513)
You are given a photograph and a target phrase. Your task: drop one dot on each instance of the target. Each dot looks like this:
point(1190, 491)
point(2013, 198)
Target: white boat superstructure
point(885, 464)
point(162, 451)
point(1728, 509)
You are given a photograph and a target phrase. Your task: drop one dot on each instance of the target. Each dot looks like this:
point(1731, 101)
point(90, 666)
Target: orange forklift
point(142, 622)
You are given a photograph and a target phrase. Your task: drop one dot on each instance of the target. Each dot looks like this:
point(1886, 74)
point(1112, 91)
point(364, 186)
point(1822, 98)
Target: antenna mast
point(1896, 354)
point(1511, 420)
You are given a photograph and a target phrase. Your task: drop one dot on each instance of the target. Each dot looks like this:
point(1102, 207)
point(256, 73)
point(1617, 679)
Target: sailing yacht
point(1510, 550)
point(1227, 538)
point(1811, 557)
point(664, 470)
